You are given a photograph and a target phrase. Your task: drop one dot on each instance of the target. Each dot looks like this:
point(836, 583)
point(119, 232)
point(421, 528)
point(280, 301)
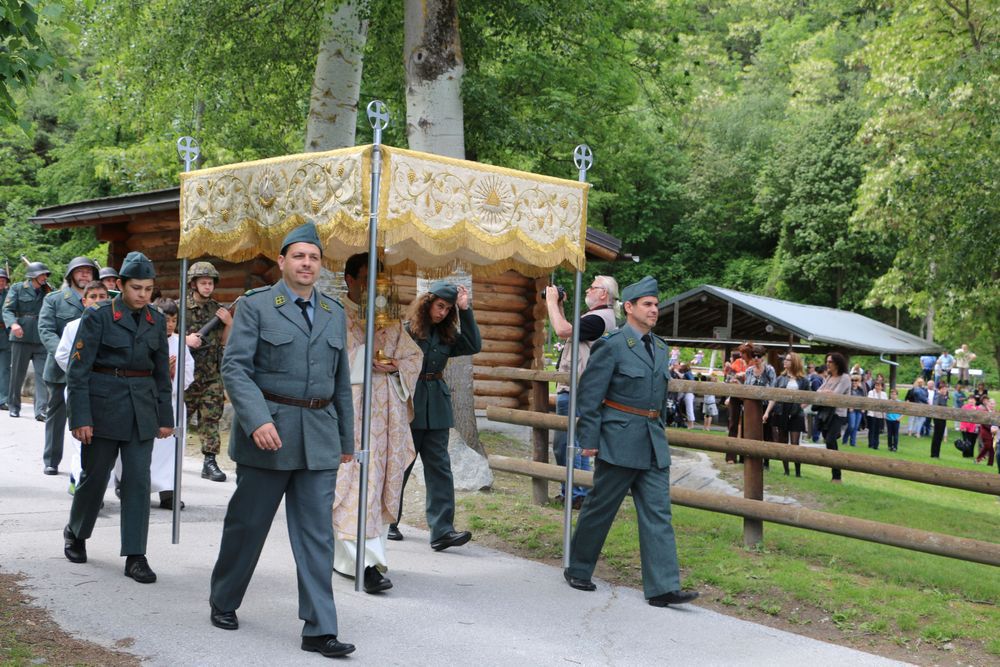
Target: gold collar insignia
point(630, 341)
point(324, 305)
point(280, 300)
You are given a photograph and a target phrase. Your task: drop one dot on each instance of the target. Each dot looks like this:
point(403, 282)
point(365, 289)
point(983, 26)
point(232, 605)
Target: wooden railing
point(754, 510)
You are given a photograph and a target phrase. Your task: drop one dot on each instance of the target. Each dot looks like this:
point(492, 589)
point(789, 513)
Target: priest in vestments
point(396, 366)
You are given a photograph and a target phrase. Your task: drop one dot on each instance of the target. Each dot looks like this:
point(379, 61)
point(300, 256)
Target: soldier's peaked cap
point(138, 266)
point(304, 233)
point(645, 287)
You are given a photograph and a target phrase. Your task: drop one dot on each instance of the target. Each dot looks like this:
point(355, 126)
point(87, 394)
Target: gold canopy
point(435, 213)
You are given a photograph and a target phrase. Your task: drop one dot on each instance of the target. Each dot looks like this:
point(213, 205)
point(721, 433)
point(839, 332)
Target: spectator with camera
point(597, 321)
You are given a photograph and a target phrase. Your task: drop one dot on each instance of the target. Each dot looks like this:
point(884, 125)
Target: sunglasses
point(758, 356)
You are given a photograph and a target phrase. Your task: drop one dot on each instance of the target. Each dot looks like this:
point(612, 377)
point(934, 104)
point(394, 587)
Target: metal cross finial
point(378, 117)
point(583, 158)
point(189, 150)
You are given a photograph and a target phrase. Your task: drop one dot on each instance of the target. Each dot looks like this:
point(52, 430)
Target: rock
point(470, 470)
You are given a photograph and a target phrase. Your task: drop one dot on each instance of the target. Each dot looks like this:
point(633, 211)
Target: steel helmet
point(36, 269)
point(3, 274)
point(78, 262)
point(108, 272)
point(202, 270)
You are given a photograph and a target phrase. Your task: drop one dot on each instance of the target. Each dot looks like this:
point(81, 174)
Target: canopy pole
point(188, 149)
point(378, 117)
point(583, 158)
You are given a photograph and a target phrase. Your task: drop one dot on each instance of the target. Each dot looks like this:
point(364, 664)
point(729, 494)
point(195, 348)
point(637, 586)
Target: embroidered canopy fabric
point(435, 213)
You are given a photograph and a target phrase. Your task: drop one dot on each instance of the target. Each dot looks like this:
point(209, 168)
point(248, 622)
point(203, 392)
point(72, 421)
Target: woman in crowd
point(892, 424)
point(833, 419)
point(789, 418)
point(688, 397)
point(986, 435)
point(875, 419)
point(980, 393)
point(969, 430)
point(916, 394)
point(940, 399)
point(854, 414)
point(758, 374)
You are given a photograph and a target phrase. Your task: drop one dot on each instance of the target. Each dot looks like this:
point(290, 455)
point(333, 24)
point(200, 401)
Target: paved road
point(468, 606)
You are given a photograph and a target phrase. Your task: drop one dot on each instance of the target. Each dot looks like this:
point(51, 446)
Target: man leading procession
point(58, 309)
point(20, 315)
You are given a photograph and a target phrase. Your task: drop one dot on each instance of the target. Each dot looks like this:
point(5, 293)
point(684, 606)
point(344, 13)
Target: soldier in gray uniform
point(621, 404)
point(4, 343)
point(286, 371)
point(58, 309)
point(20, 314)
point(119, 401)
point(434, 326)
point(109, 277)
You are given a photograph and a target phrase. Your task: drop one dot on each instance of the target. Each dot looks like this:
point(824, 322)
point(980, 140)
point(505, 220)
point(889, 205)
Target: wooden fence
point(754, 510)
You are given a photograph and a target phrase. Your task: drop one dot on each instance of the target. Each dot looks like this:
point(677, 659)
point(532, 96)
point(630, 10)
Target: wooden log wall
point(510, 314)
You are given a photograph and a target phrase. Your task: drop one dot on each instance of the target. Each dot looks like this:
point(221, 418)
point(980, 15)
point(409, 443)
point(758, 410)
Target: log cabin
point(510, 313)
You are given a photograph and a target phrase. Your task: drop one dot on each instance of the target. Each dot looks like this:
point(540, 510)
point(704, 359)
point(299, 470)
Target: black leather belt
point(122, 372)
point(310, 403)
point(432, 376)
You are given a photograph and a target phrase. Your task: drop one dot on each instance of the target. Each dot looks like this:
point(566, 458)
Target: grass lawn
point(917, 607)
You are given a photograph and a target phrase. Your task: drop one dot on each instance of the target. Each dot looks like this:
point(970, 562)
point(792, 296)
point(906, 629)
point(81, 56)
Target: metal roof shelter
point(715, 317)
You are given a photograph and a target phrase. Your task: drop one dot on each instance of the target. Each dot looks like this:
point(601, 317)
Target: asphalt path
point(464, 606)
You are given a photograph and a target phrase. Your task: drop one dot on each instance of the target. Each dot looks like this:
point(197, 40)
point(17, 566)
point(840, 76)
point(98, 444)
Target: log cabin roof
point(600, 245)
point(710, 316)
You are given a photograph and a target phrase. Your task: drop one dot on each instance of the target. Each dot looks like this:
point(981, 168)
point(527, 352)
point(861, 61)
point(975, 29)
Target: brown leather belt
point(311, 403)
point(432, 376)
point(648, 414)
point(122, 372)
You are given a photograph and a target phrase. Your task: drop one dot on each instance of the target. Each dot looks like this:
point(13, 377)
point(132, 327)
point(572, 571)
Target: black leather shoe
point(673, 597)
point(374, 581)
point(51, 470)
point(394, 533)
point(137, 567)
point(3, 406)
point(452, 539)
point(75, 549)
point(579, 584)
point(578, 502)
point(327, 645)
point(167, 500)
point(40, 417)
point(210, 470)
point(225, 620)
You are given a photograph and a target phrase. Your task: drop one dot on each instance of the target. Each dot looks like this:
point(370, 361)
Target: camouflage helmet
point(36, 269)
point(202, 270)
point(78, 262)
point(107, 272)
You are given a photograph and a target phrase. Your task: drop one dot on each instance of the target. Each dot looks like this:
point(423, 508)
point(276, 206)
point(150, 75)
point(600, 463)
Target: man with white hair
point(597, 321)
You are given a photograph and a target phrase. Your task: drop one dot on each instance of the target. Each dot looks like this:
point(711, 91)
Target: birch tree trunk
point(333, 102)
point(434, 124)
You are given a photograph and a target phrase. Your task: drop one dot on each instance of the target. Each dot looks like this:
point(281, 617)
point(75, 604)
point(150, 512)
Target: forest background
point(841, 153)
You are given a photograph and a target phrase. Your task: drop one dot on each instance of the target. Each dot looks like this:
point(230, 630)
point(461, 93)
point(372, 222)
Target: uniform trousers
point(432, 448)
point(657, 545)
point(308, 498)
point(98, 459)
point(55, 424)
point(20, 355)
point(4, 369)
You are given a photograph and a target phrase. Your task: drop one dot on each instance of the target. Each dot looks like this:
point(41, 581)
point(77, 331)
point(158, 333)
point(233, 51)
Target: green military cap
point(645, 287)
point(137, 265)
point(444, 290)
point(304, 233)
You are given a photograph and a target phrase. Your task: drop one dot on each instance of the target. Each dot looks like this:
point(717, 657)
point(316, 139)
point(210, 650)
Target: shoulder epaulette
point(326, 300)
point(609, 334)
point(255, 290)
point(100, 304)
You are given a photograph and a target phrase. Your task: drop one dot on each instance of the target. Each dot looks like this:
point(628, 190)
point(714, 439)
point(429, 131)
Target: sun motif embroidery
point(494, 201)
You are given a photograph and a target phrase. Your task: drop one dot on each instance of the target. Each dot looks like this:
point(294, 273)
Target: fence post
point(540, 441)
point(753, 470)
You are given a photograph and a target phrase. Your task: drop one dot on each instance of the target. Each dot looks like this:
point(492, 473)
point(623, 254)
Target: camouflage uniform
point(204, 397)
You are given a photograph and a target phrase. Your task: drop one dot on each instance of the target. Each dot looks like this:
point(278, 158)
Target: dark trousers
point(4, 368)
point(892, 434)
point(874, 431)
point(657, 545)
point(831, 437)
point(432, 448)
point(937, 438)
point(97, 460)
point(55, 424)
point(735, 418)
point(308, 498)
point(789, 437)
point(20, 355)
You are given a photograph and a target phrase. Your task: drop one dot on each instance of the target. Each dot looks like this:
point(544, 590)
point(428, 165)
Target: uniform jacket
point(271, 349)
point(432, 398)
point(59, 309)
point(22, 305)
point(620, 370)
point(208, 356)
point(116, 406)
point(4, 340)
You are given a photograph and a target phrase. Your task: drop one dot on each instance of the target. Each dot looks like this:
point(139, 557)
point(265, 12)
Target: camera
point(562, 293)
